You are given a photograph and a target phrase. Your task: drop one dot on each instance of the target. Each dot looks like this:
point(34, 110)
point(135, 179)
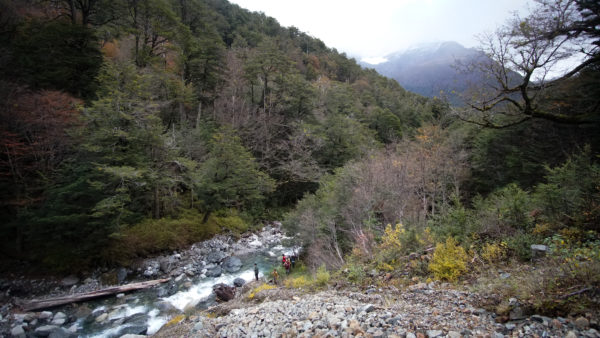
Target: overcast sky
point(375, 28)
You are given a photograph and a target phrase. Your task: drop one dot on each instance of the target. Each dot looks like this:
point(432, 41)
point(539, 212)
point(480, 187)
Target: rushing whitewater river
point(145, 311)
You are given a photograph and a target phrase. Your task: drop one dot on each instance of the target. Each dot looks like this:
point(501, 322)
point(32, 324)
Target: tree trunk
point(206, 216)
point(156, 203)
point(199, 115)
point(38, 304)
point(73, 12)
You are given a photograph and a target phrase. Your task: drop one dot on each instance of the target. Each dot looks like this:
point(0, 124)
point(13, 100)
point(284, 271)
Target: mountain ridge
point(431, 70)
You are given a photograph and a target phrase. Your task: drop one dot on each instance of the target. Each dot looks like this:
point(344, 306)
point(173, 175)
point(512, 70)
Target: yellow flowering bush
point(297, 283)
point(259, 289)
point(493, 252)
point(391, 237)
point(449, 261)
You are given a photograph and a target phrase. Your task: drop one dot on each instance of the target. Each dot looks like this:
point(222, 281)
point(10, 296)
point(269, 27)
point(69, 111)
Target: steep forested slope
point(172, 119)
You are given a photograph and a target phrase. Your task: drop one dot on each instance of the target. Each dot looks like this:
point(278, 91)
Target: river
point(146, 311)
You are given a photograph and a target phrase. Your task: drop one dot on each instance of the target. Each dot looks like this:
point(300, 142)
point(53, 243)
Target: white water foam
point(155, 322)
point(202, 290)
point(127, 311)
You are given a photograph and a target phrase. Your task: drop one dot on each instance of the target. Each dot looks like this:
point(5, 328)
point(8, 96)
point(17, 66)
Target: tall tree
point(56, 55)
point(153, 24)
point(230, 177)
point(35, 142)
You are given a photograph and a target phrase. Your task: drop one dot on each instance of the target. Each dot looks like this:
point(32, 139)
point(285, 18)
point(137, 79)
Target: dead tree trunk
point(38, 304)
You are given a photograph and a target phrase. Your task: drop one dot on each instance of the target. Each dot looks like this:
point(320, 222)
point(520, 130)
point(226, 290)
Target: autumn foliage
point(34, 139)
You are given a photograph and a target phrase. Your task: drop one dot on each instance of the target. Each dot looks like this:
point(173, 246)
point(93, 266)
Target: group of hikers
point(288, 263)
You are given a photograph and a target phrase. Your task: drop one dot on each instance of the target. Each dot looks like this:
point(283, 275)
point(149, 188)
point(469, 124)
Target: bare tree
point(525, 57)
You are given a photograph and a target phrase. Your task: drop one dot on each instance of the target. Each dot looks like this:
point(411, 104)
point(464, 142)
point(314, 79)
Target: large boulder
point(239, 282)
point(224, 292)
point(232, 264)
point(45, 330)
point(62, 332)
point(69, 280)
point(166, 307)
point(137, 319)
point(121, 275)
point(166, 265)
point(214, 272)
point(59, 319)
point(216, 257)
point(18, 331)
point(538, 250)
point(133, 329)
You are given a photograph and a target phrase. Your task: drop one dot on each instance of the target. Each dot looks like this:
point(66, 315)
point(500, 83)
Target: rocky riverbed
point(193, 272)
point(420, 311)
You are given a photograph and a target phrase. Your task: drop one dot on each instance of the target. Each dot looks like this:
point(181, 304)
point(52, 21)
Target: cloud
point(374, 60)
point(376, 28)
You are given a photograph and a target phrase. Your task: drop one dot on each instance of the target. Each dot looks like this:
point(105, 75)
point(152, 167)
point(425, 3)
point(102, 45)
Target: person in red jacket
point(287, 266)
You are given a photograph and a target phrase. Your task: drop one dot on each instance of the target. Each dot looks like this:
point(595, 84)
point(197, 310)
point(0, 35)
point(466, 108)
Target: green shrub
point(159, 235)
point(455, 222)
point(520, 243)
point(449, 261)
point(503, 212)
point(322, 276)
point(571, 193)
point(399, 241)
point(231, 220)
point(356, 272)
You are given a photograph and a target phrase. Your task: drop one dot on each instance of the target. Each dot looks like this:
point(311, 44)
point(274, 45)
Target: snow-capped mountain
point(431, 69)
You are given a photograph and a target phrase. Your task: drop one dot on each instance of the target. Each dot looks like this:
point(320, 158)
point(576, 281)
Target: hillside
point(198, 116)
point(153, 138)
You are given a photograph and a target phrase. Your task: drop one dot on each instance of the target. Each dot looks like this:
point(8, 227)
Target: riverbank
point(192, 273)
point(421, 310)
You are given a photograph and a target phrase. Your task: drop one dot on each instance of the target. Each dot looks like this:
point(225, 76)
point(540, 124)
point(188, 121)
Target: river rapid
point(193, 274)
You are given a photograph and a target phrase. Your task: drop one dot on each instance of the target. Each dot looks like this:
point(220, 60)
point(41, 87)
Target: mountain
point(430, 69)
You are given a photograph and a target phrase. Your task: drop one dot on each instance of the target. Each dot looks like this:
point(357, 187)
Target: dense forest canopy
point(134, 127)
point(119, 114)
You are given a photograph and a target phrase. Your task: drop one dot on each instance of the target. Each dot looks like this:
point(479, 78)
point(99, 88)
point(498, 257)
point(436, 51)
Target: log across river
point(42, 304)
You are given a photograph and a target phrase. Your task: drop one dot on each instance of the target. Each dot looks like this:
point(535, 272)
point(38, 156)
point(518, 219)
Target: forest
point(134, 127)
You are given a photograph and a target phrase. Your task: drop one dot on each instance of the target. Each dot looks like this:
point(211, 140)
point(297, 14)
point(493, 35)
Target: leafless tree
point(525, 58)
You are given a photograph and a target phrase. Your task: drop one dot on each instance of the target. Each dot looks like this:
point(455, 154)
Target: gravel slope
point(421, 311)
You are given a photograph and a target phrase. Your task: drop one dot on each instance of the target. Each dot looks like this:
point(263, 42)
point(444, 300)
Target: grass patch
point(546, 286)
point(153, 236)
point(300, 282)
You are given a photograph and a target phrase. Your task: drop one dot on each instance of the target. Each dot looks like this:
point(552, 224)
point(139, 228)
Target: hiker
point(283, 259)
point(287, 266)
point(255, 271)
point(275, 276)
point(293, 259)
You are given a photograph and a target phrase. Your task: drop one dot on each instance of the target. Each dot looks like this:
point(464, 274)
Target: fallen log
point(576, 293)
point(38, 304)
